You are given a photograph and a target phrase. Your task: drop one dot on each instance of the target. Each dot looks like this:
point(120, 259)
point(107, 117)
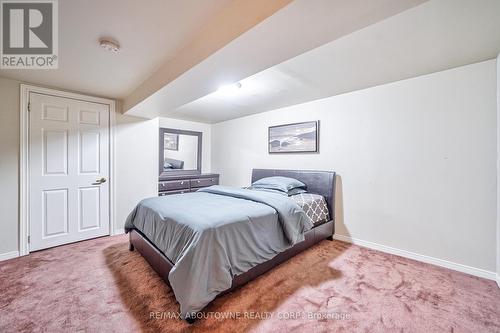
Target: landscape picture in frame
point(171, 141)
point(294, 138)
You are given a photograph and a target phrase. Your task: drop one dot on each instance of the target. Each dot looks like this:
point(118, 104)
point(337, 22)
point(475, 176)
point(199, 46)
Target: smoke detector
point(109, 44)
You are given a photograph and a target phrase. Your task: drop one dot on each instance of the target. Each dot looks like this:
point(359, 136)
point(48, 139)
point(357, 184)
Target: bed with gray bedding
point(216, 234)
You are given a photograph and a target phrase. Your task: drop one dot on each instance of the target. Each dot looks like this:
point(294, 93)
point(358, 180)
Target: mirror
point(180, 152)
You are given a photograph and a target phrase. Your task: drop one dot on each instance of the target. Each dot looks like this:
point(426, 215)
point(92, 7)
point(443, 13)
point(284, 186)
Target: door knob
point(99, 181)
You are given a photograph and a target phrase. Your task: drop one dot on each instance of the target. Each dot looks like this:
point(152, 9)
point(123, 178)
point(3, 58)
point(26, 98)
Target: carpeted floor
point(99, 286)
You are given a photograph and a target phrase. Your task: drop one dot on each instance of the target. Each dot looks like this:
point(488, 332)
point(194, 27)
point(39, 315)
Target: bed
point(229, 246)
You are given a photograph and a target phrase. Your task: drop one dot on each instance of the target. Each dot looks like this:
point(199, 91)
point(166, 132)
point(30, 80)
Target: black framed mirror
point(179, 152)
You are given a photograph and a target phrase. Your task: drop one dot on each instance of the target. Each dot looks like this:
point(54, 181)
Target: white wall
point(417, 160)
point(198, 127)
point(136, 163)
point(9, 165)
point(498, 170)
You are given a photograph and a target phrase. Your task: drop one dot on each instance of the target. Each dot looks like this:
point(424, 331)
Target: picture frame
point(171, 141)
point(300, 137)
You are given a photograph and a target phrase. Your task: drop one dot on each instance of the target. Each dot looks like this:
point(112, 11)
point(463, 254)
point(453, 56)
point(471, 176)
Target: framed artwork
point(171, 141)
point(294, 138)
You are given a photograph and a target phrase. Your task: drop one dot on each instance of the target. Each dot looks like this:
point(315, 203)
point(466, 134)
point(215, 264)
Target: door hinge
point(29, 239)
point(29, 106)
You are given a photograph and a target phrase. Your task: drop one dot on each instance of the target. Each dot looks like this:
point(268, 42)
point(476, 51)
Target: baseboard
point(420, 257)
point(9, 255)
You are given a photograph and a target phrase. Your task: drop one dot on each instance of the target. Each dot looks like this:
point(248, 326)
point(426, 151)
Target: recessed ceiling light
point(230, 88)
point(109, 44)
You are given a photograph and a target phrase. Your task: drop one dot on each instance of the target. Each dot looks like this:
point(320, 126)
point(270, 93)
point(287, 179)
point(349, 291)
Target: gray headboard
point(318, 182)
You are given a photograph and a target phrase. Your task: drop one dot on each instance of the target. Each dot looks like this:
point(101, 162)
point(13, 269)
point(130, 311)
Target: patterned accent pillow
point(314, 205)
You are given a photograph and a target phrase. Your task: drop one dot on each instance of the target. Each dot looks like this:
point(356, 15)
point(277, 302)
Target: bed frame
point(318, 182)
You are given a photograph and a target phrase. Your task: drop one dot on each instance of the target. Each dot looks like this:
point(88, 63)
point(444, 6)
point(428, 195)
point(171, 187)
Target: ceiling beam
point(298, 27)
point(238, 17)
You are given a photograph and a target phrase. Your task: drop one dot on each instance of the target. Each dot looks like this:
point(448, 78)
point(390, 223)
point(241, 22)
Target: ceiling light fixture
point(109, 44)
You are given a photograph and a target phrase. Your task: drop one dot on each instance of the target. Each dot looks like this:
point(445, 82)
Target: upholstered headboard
point(318, 182)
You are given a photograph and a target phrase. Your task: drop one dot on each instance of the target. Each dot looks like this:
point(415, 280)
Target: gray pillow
point(268, 190)
point(293, 191)
point(296, 190)
point(283, 184)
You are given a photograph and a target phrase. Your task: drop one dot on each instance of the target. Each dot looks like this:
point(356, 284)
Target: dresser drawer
point(173, 185)
point(173, 192)
point(204, 182)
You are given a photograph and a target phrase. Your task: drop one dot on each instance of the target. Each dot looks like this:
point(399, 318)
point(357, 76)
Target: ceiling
point(150, 32)
point(433, 36)
point(175, 54)
point(298, 27)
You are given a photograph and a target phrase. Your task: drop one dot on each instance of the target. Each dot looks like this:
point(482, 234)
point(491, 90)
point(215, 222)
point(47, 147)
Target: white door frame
point(24, 183)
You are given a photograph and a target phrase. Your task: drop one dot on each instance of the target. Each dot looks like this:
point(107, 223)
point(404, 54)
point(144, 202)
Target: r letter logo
point(29, 34)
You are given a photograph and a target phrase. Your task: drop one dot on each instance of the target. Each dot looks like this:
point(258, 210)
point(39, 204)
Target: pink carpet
point(99, 286)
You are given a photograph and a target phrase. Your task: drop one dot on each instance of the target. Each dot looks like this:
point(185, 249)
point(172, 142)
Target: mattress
point(314, 205)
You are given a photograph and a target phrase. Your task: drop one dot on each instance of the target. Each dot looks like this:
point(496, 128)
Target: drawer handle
point(198, 181)
point(212, 180)
point(182, 182)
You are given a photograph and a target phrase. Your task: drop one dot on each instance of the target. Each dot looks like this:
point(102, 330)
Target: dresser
point(176, 184)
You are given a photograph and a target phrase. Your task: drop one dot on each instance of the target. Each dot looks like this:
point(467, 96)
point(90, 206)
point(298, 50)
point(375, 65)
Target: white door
point(69, 169)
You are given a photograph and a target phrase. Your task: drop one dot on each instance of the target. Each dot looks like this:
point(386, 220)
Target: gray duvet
point(215, 234)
